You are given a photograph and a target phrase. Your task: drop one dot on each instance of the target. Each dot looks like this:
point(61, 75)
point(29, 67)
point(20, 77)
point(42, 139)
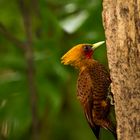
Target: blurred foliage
point(57, 25)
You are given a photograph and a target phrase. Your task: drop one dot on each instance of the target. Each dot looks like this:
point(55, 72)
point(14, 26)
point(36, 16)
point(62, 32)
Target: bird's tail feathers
point(112, 128)
point(96, 131)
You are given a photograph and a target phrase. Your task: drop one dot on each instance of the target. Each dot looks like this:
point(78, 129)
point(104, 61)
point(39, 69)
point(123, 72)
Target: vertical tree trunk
point(122, 29)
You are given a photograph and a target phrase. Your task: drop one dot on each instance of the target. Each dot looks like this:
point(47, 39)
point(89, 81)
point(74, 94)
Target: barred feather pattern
point(92, 91)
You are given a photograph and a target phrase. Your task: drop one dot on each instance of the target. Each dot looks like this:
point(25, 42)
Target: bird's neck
point(83, 64)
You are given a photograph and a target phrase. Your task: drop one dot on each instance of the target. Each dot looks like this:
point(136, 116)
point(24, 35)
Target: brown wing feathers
point(92, 90)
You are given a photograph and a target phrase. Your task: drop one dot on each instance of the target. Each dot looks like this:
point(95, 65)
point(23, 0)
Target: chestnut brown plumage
point(92, 86)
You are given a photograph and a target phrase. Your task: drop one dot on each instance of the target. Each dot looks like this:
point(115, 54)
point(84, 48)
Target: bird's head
point(78, 53)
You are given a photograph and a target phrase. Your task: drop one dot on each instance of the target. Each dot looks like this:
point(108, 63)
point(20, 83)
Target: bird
point(93, 85)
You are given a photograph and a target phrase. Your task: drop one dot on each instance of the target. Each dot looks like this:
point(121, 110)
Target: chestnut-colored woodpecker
point(92, 86)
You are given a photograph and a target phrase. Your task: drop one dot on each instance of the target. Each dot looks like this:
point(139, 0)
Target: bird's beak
point(96, 45)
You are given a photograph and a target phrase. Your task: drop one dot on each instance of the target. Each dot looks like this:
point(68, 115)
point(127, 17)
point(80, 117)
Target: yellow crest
point(73, 56)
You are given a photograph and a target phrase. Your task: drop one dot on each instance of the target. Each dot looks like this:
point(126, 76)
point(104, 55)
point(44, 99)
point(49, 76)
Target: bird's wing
point(88, 113)
point(84, 94)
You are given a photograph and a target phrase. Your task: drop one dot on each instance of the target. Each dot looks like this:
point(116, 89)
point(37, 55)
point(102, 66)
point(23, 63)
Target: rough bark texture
point(122, 29)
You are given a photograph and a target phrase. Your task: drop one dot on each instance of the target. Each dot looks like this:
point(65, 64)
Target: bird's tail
point(113, 131)
point(96, 130)
point(111, 127)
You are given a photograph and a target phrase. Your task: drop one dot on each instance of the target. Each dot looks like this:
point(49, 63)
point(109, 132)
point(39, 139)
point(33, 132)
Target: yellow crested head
point(78, 53)
point(74, 55)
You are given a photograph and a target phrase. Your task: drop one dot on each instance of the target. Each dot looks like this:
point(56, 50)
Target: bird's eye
point(87, 48)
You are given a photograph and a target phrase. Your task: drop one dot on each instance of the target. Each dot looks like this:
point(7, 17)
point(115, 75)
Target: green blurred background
point(56, 26)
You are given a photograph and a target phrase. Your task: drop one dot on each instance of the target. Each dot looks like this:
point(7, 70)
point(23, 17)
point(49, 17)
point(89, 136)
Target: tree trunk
point(122, 29)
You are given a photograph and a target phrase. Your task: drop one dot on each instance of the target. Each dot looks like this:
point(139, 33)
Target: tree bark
point(121, 20)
